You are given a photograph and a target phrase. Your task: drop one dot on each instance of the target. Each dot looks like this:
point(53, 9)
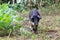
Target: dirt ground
point(48, 29)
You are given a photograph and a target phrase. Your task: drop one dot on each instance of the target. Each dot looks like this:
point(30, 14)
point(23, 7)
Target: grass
point(46, 23)
point(48, 29)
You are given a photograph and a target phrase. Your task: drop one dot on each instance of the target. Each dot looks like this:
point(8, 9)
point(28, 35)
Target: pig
point(34, 17)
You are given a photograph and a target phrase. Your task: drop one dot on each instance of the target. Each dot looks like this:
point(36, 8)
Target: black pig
point(34, 17)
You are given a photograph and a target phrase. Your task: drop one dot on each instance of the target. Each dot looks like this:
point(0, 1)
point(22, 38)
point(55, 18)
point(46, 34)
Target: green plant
point(7, 18)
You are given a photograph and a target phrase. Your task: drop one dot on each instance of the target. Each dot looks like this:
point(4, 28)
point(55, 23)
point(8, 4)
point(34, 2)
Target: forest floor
point(48, 29)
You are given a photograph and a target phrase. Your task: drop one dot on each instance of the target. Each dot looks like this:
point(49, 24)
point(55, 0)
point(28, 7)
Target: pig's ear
point(39, 17)
point(31, 16)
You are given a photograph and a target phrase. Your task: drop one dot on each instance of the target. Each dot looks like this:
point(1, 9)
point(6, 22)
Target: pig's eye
point(32, 19)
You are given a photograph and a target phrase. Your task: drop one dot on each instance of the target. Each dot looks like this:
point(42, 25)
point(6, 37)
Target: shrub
point(8, 19)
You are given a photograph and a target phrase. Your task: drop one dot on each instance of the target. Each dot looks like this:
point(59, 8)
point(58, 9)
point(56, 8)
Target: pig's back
point(33, 12)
